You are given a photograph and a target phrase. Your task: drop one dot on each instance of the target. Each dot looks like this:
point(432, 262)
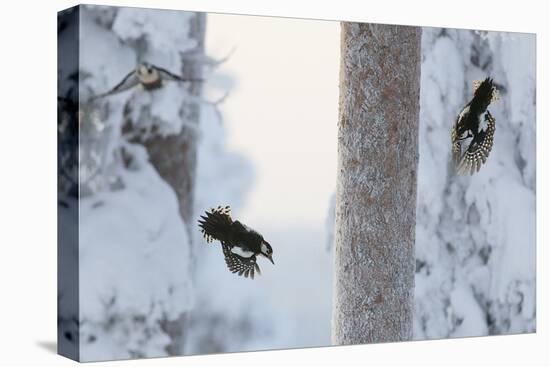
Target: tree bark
point(376, 189)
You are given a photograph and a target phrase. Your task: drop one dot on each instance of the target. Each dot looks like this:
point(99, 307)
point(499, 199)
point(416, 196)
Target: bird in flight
point(468, 129)
point(148, 76)
point(240, 244)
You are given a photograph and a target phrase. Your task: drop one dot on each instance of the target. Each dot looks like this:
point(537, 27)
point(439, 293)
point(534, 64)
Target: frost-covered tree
point(475, 236)
point(137, 173)
point(376, 187)
point(140, 154)
point(166, 129)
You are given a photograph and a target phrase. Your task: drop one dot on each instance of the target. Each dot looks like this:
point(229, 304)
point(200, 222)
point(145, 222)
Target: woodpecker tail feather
point(216, 224)
point(484, 94)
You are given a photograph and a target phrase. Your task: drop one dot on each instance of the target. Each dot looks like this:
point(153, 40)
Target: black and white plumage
point(468, 125)
point(240, 245)
point(148, 76)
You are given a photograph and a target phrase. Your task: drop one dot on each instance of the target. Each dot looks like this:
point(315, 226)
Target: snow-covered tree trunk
point(137, 168)
point(376, 188)
point(174, 156)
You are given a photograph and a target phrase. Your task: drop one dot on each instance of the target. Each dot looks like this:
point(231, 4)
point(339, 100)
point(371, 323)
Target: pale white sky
point(282, 112)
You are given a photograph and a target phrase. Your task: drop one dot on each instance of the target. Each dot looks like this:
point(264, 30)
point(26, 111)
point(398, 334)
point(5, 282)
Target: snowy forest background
point(150, 286)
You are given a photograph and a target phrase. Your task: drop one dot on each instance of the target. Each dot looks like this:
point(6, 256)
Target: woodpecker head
point(267, 251)
point(147, 73)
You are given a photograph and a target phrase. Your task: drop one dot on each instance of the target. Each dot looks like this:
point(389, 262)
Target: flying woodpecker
point(148, 76)
point(468, 125)
point(240, 244)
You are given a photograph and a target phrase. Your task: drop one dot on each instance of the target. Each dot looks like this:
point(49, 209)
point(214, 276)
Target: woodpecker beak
point(265, 247)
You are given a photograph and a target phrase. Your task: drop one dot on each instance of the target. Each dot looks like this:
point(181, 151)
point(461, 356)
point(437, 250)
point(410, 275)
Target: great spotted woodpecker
point(468, 125)
point(240, 244)
point(148, 76)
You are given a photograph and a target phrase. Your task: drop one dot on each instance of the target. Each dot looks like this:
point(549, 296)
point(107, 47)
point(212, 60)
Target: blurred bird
point(468, 125)
point(240, 244)
point(148, 76)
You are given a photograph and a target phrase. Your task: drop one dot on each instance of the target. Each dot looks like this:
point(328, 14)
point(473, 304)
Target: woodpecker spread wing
point(216, 225)
point(479, 149)
point(129, 81)
point(167, 75)
point(239, 264)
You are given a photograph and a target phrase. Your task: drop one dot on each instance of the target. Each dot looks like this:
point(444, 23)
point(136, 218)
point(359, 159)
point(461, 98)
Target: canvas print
point(233, 183)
